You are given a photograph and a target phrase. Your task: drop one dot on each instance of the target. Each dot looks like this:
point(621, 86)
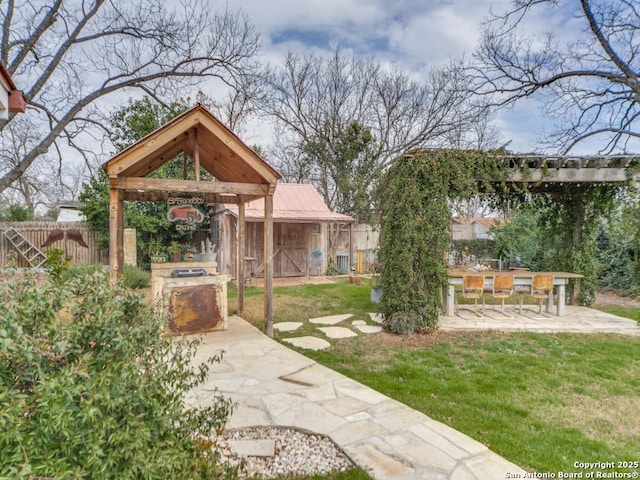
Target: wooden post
point(324, 246)
point(116, 234)
point(196, 155)
point(241, 255)
point(352, 228)
point(268, 264)
point(184, 166)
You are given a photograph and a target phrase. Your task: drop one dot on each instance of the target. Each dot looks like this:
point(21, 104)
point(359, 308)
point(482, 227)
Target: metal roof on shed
point(293, 203)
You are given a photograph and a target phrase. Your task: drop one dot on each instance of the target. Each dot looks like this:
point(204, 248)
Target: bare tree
point(590, 84)
point(238, 102)
point(69, 56)
point(482, 135)
point(314, 100)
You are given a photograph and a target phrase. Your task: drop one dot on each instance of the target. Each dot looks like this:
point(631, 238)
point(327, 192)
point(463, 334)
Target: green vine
point(415, 230)
point(570, 219)
point(414, 198)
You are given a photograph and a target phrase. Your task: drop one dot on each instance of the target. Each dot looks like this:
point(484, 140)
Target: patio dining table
point(520, 278)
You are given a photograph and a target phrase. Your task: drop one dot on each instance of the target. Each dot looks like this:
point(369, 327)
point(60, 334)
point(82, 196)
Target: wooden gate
point(290, 250)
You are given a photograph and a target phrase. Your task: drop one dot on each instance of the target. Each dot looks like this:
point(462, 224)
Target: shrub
point(57, 263)
point(81, 270)
point(94, 390)
point(135, 277)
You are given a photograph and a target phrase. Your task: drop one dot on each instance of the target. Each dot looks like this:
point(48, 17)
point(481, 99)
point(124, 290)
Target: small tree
point(344, 168)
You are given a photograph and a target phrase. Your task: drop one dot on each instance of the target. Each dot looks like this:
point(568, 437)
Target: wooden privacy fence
point(37, 232)
point(365, 247)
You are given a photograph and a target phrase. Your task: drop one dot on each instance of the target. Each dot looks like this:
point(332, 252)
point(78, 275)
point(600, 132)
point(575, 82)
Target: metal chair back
point(503, 283)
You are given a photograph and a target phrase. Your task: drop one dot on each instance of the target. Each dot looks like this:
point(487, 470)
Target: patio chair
point(540, 289)
point(502, 289)
point(472, 287)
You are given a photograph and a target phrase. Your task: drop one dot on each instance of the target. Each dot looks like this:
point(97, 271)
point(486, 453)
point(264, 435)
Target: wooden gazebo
point(240, 176)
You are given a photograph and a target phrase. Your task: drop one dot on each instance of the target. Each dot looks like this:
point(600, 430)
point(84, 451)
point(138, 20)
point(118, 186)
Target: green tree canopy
point(345, 168)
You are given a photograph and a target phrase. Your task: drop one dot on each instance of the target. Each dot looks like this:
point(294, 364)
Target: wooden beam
point(352, 235)
point(570, 175)
point(240, 257)
point(116, 234)
point(150, 146)
point(253, 160)
point(209, 198)
point(184, 166)
point(268, 265)
point(190, 186)
point(196, 155)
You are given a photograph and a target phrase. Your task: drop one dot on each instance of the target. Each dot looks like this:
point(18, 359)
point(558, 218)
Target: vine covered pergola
point(415, 196)
point(239, 175)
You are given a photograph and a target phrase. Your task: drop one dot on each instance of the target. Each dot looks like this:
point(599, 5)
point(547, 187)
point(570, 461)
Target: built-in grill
point(194, 293)
point(188, 272)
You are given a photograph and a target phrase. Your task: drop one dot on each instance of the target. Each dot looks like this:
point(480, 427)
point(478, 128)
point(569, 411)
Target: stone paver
point(575, 320)
point(287, 326)
point(331, 319)
point(358, 322)
point(376, 317)
point(253, 448)
point(337, 332)
point(276, 386)
point(369, 328)
point(308, 342)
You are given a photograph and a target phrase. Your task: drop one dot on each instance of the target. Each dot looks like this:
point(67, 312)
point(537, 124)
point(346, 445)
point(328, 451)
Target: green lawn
point(543, 401)
point(628, 312)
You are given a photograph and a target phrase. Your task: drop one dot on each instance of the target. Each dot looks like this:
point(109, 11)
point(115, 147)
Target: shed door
point(290, 249)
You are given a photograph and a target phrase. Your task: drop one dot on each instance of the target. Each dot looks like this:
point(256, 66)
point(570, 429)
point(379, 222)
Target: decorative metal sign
point(183, 212)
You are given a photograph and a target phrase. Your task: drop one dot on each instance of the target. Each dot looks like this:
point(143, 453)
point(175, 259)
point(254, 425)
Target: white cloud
point(415, 35)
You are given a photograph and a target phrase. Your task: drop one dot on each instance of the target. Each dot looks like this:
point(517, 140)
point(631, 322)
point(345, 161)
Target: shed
point(302, 224)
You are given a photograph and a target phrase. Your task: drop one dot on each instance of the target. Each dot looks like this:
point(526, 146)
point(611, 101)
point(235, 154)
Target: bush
point(135, 277)
point(57, 263)
point(94, 390)
point(82, 270)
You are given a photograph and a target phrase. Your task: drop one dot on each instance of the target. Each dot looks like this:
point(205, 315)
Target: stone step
point(253, 448)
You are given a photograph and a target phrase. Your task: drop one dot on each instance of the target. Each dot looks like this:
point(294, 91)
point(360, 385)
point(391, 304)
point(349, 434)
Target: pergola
point(570, 168)
point(239, 174)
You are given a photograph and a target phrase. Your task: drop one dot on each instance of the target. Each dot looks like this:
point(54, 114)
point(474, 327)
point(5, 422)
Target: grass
point(627, 312)
point(291, 304)
point(543, 401)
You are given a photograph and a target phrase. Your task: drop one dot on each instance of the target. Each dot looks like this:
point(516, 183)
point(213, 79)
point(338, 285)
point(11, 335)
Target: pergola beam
point(208, 198)
point(191, 186)
point(569, 175)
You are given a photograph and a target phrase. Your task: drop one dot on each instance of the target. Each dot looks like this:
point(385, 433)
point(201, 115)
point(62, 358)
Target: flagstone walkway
point(276, 386)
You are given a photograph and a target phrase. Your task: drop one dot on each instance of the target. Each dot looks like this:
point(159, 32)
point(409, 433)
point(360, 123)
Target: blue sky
point(414, 35)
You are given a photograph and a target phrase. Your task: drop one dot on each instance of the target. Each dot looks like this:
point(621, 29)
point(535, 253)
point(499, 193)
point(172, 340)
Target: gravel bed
point(296, 453)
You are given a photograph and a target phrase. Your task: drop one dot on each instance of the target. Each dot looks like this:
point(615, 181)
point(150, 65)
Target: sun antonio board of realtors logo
point(183, 212)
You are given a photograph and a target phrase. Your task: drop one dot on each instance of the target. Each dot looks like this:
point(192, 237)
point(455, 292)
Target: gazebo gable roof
point(220, 151)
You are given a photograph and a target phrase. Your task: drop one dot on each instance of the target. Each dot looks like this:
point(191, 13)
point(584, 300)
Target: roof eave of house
point(17, 102)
